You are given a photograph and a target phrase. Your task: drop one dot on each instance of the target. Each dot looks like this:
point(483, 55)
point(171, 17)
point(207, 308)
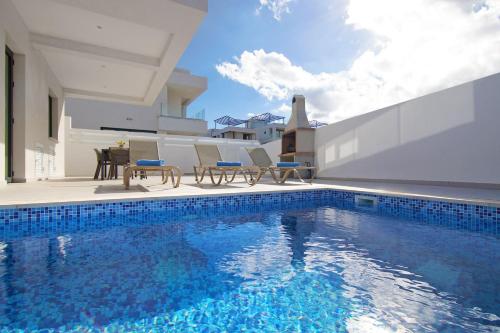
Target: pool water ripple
point(313, 269)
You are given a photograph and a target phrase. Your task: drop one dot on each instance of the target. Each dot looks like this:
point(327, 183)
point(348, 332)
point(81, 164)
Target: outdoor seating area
point(142, 157)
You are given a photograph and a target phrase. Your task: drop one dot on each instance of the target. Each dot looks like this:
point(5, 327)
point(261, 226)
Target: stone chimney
point(298, 119)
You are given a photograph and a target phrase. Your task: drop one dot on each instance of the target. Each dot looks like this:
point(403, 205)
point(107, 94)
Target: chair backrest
point(143, 150)
point(260, 157)
point(98, 154)
point(119, 155)
point(208, 155)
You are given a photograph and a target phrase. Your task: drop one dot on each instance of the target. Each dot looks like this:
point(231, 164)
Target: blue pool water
point(311, 269)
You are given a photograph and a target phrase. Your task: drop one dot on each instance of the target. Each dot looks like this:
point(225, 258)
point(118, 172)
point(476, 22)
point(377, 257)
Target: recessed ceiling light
point(99, 27)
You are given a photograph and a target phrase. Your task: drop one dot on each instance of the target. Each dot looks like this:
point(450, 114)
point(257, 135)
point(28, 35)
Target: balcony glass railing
point(196, 114)
point(200, 115)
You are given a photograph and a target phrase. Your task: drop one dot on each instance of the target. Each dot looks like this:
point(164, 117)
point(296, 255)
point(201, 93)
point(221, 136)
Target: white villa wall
point(174, 104)
point(33, 83)
point(175, 149)
point(93, 114)
point(450, 136)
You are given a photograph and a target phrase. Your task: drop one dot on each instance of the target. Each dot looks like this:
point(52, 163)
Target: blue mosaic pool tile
point(28, 220)
point(463, 216)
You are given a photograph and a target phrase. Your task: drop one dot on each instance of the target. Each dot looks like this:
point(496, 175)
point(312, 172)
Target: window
point(247, 136)
point(53, 118)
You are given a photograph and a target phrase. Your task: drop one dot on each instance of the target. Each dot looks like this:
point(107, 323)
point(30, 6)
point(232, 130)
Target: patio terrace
point(71, 190)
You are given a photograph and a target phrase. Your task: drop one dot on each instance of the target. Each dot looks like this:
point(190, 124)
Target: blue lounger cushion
point(228, 164)
point(150, 163)
point(287, 164)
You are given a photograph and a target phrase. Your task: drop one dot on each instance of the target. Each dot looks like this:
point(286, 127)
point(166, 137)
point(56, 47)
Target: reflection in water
point(6, 271)
point(323, 269)
point(298, 232)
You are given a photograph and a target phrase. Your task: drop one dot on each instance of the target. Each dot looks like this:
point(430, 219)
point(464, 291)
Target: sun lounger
point(144, 157)
point(211, 161)
point(281, 171)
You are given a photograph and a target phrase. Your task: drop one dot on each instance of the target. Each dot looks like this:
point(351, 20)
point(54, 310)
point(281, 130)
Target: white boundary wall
point(449, 136)
point(273, 149)
point(174, 149)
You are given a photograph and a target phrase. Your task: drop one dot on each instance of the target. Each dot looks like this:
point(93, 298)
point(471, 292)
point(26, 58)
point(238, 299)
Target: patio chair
point(118, 157)
point(99, 167)
point(144, 157)
point(261, 159)
point(103, 162)
point(211, 161)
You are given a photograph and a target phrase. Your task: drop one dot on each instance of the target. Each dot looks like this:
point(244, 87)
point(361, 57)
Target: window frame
point(53, 125)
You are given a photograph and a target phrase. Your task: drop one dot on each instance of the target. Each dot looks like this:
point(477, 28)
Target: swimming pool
point(308, 266)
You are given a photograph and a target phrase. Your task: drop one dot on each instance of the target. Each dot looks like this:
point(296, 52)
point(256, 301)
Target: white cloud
point(283, 108)
point(419, 46)
point(277, 7)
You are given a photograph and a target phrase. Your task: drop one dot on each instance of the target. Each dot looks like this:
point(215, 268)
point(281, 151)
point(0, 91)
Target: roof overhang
point(187, 85)
point(116, 50)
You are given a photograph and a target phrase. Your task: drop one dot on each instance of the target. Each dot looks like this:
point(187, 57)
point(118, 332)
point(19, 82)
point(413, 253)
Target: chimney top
point(298, 119)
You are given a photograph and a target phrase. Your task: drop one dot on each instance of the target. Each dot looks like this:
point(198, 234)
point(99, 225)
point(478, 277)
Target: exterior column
point(3, 111)
point(20, 124)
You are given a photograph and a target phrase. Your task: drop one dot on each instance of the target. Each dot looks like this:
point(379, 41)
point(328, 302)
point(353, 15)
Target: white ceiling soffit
point(186, 85)
point(118, 50)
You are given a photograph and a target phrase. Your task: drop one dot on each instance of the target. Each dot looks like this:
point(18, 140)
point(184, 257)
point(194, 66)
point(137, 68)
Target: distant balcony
point(182, 126)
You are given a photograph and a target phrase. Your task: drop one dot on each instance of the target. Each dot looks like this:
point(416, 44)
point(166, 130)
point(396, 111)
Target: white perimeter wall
point(35, 155)
point(174, 149)
point(273, 149)
point(449, 136)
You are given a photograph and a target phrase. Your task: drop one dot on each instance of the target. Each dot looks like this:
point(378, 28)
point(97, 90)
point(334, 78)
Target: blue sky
point(346, 56)
point(233, 26)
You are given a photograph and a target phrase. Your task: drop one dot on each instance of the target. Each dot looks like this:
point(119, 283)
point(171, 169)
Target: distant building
point(233, 132)
point(262, 127)
point(316, 124)
point(266, 127)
